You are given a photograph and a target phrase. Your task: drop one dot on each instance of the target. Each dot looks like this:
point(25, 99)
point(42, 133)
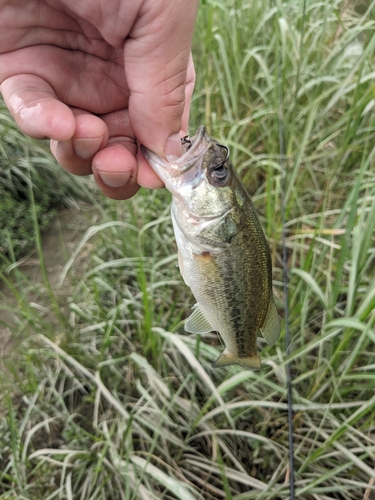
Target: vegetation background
point(103, 394)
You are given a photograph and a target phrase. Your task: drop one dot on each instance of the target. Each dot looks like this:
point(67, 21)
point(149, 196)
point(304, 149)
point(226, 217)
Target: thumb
point(160, 73)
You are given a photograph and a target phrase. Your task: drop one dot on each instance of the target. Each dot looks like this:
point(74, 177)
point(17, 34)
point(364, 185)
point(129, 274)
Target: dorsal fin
point(197, 323)
point(271, 326)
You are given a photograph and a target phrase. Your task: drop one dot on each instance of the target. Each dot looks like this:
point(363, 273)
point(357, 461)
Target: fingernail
point(115, 179)
point(86, 148)
point(173, 148)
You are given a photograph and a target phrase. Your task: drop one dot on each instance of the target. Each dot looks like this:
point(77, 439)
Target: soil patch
point(59, 241)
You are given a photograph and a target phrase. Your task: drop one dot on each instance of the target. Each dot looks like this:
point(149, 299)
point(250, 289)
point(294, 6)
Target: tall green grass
point(115, 401)
point(26, 164)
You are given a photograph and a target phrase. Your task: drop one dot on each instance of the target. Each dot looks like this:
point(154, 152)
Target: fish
point(223, 254)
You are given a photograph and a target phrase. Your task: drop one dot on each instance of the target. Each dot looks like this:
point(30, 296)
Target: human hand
point(99, 77)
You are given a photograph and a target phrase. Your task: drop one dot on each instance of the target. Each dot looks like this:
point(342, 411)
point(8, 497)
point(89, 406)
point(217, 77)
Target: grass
point(110, 399)
point(31, 185)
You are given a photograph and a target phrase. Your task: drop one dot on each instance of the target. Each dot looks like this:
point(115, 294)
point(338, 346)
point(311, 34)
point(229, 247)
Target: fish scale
point(224, 256)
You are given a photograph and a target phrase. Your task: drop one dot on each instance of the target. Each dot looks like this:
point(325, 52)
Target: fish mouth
point(195, 148)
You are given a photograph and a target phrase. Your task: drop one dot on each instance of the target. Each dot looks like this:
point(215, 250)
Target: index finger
point(36, 108)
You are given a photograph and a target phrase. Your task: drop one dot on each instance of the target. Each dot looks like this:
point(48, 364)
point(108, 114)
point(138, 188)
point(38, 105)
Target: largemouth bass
point(223, 254)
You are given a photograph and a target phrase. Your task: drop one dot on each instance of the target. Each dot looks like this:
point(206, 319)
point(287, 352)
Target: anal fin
point(197, 322)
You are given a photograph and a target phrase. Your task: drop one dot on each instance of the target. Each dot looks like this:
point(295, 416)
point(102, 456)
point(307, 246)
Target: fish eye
point(218, 173)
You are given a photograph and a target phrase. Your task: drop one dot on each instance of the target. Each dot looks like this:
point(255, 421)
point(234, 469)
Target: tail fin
point(226, 359)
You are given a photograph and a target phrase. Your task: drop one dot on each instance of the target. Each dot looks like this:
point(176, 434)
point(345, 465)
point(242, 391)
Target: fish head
point(205, 188)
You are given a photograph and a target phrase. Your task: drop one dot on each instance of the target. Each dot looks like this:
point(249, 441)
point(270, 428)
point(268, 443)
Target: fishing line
point(289, 382)
point(283, 165)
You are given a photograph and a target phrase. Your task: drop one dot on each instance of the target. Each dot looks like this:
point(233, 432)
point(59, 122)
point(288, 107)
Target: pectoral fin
point(197, 323)
point(226, 359)
point(271, 327)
